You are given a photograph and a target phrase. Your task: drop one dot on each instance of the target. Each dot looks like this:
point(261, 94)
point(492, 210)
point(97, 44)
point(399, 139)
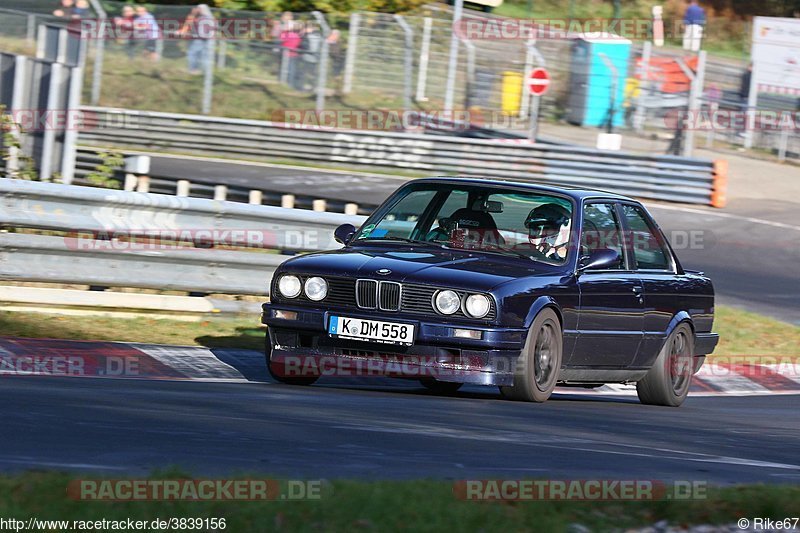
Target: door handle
point(637, 290)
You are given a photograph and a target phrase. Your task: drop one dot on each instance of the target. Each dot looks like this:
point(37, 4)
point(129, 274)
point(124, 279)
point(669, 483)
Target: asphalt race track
point(395, 430)
point(749, 250)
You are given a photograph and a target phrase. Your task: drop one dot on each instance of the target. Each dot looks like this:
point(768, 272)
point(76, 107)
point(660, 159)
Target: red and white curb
point(121, 360)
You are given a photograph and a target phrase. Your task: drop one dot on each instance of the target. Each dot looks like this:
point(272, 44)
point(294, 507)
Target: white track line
point(723, 215)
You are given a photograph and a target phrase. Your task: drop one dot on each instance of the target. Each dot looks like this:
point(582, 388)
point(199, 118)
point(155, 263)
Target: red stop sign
point(538, 81)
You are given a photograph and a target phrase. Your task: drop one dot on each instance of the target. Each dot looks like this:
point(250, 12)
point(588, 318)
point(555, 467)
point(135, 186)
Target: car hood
point(428, 265)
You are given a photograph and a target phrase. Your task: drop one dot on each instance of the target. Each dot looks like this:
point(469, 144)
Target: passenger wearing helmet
point(548, 230)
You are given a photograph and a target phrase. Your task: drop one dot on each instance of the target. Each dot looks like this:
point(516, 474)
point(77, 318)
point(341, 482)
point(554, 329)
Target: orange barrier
point(667, 73)
point(719, 185)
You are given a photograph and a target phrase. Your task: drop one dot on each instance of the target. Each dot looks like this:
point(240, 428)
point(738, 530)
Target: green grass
point(214, 332)
point(741, 333)
point(397, 506)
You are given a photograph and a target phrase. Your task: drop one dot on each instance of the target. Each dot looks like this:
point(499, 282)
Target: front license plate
point(371, 330)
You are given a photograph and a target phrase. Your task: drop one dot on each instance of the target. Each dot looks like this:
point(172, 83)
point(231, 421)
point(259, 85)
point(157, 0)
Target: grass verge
point(741, 332)
point(398, 506)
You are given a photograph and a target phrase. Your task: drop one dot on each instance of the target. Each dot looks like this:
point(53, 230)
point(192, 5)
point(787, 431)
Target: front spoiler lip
point(427, 331)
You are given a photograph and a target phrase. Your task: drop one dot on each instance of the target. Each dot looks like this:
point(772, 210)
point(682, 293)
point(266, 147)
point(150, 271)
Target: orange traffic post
point(719, 184)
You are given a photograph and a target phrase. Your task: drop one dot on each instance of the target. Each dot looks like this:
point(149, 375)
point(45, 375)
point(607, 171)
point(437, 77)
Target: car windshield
point(530, 225)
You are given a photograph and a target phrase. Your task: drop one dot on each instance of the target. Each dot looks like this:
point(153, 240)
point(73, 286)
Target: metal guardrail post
point(49, 136)
point(350, 58)
point(99, 51)
point(408, 60)
point(424, 58)
point(18, 95)
point(69, 150)
point(783, 142)
point(322, 65)
point(695, 93)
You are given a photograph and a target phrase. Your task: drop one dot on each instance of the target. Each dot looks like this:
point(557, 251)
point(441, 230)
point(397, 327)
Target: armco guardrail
point(175, 245)
point(656, 177)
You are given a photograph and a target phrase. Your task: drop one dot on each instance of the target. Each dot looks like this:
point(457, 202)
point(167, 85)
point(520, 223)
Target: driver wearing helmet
point(548, 230)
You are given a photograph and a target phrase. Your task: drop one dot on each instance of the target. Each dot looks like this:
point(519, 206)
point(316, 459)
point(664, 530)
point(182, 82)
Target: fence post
point(783, 142)
point(452, 64)
point(695, 93)
point(408, 60)
point(644, 87)
point(424, 57)
point(350, 58)
point(322, 66)
point(31, 32)
point(222, 54)
point(208, 73)
point(470, 85)
point(99, 51)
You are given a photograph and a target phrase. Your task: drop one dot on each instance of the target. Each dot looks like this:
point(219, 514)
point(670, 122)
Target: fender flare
point(540, 303)
point(679, 318)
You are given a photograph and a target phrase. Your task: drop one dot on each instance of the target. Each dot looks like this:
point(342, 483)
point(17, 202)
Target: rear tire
point(440, 387)
point(539, 363)
point(667, 382)
point(274, 370)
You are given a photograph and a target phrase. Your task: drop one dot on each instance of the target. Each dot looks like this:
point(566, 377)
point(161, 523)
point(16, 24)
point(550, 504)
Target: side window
point(601, 229)
point(648, 249)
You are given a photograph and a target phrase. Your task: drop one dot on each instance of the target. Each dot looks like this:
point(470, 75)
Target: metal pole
point(452, 65)
point(695, 92)
point(322, 72)
point(99, 51)
point(350, 59)
point(612, 101)
point(208, 72)
point(534, 117)
point(530, 52)
point(424, 57)
point(783, 142)
point(644, 87)
point(470, 73)
point(752, 95)
point(71, 131)
point(222, 54)
point(31, 33)
point(408, 61)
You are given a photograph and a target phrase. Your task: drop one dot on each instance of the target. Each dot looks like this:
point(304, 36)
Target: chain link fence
point(275, 63)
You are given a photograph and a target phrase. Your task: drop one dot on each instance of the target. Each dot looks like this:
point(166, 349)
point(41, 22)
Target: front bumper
point(303, 345)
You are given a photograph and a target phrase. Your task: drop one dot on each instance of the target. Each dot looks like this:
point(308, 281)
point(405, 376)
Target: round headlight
point(477, 305)
point(447, 302)
point(316, 288)
point(289, 286)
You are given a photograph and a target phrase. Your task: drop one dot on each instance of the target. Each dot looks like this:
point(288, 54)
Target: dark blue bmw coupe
point(521, 286)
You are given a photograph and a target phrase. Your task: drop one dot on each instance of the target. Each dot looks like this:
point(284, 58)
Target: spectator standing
point(694, 18)
point(200, 27)
point(124, 30)
point(146, 28)
point(290, 42)
point(71, 9)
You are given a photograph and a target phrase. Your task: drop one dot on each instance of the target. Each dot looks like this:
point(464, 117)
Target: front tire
point(539, 363)
point(667, 382)
point(276, 374)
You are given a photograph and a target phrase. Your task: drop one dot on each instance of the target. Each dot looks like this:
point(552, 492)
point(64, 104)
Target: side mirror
point(344, 233)
point(598, 259)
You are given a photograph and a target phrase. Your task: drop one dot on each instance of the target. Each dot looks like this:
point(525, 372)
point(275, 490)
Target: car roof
point(577, 193)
